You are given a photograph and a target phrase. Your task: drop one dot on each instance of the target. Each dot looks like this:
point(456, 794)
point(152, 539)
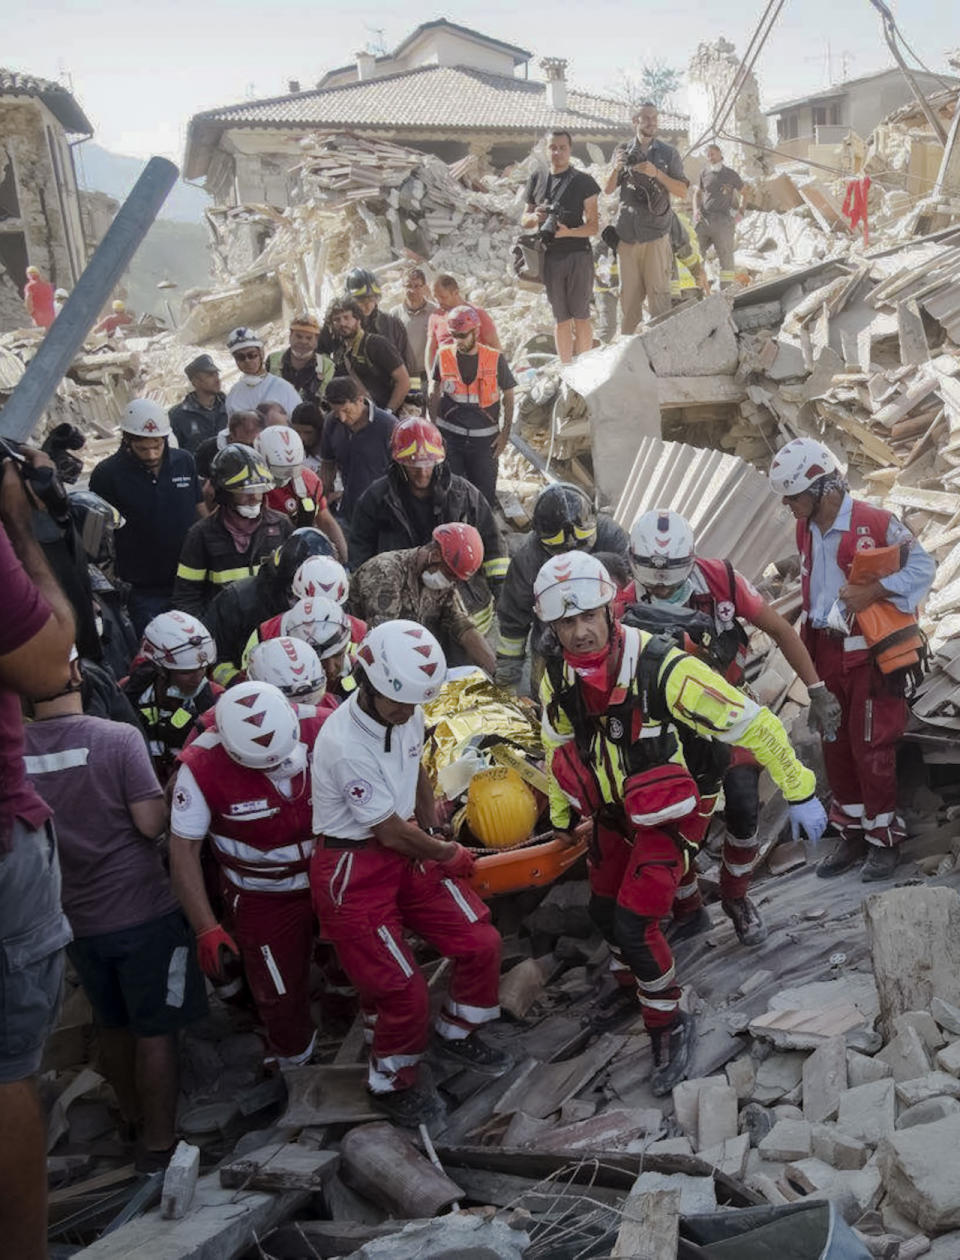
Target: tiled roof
point(453, 98)
point(57, 99)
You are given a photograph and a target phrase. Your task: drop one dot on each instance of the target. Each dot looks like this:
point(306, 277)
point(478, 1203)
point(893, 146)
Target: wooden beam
point(650, 1226)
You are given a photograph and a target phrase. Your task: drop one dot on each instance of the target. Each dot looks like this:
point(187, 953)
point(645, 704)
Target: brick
point(868, 1112)
point(786, 1141)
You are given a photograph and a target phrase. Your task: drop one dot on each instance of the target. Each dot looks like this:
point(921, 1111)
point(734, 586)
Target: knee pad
point(741, 809)
point(633, 933)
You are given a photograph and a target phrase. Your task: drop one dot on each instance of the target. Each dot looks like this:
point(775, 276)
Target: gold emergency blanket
point(469, 709)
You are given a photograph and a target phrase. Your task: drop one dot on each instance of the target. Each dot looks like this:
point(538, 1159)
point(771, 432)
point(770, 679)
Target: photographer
point(562, 205)
point(647, 172)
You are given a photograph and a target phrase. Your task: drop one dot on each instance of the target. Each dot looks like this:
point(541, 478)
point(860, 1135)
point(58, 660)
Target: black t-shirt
point(373, 363)
point(576, 188)
point(465, 414)
point(362, 457)
point(420, 514)
point(717, 189)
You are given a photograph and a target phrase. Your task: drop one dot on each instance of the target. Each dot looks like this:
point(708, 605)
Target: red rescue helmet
point(416, 443)
point(463, 319)
point(461, 548)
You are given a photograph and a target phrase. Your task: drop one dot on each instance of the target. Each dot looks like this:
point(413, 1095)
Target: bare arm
point(425, 809)
point(478, 651)
point(401, 387)
point(789, 643)
point(532, 217)
point(676, 187)
point(613, 179)
point(326, 522)
point(150, 816)
point(328, 476)
point(412, 841)
point(187, 879)
point(591, 224)
point(40, 666)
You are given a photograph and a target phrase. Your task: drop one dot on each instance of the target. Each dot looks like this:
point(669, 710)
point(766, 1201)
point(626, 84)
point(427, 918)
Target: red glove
point(461, 865)
point(209, 945)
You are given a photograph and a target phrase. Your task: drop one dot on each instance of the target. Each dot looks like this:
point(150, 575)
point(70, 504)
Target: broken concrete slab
point(686, 1103)
point(914, 938)
point(787, 1140)
point(861, 1069)
point(699, 340)
point(854, 1192)
point(928, 1112)
point(716, 1115)
point(697, 1194)
point(180, 1181)
point(824, 1080)
point(857, 988)
point(925, 1025)
point(868, 1111)
point(730, 1156)
point(946, 1014)
point(806, 1029)
point(458, 1234)
point(838, 1149)
point(948, 1059)
point(919, 1168)
point(932, 1085)
point(742, 1075)
point(907, 1055)
point(777, 1075)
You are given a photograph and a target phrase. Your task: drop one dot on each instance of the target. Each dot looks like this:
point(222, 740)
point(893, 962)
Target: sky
point(140, 71)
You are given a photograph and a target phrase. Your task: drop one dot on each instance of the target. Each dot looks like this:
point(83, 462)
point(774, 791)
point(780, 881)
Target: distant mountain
point(116, 174)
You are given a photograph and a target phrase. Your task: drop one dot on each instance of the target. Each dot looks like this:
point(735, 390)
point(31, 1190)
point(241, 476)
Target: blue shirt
point(907, 586)
point(362, 457)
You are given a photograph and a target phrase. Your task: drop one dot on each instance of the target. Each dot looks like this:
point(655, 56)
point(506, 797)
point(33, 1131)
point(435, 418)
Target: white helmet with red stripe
point(319, 622)
point(321, 576)
point(175, 640)
point(282, 450)
point(143, 417)
point(258, 726)
point(661, 545)
point(799, 464)
point(571, 583)
point(290, 664)
point(403, 661)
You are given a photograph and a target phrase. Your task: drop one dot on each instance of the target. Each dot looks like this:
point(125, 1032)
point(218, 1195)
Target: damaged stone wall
point(23, 137)
point(713, 67)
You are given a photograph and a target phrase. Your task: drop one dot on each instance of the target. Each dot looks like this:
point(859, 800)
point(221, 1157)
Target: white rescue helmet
point(799, 464)
point(290, 664)
point(319, 622)
point(661, 546)
point(175, 640)
point(571, 583)
point(143, 417)
point(258, 726)
point(282, 449)
point(243, 339)
point(323, 576)
point(403, 661)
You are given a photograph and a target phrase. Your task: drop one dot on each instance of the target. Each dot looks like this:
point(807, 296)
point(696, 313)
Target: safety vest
point(261, 839)
point(483, 391)
point(868, 529)
point(168, 724)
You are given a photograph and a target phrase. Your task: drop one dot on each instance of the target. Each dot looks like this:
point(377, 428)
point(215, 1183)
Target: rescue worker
point(716, 202)
point(326, 628)
point(670, 576)
point(236, 538)
point(203, 412)
point(246, 785)
point(256, 384)
point(369, 357)
point(563, 520)
point(446, 289)
point(363, 287)
point(611, 706)
point(325, 578)
point(155, 489)
point(414, 313)
point(169, 685)
point(472, 386)
point(423, 584)
point(244, 604)
point(38, 298)
point(118, 318)
point(378, 871)
point(294, 667)
point(419, 493)
point(297, 491)
point(832, 529)
point(300, 364)
point(687, 273)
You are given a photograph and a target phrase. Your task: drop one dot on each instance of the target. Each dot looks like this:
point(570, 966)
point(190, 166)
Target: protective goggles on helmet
point(571, 537)
point(661, 571)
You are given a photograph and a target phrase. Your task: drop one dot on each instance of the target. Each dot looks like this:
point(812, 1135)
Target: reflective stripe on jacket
point(483, 391)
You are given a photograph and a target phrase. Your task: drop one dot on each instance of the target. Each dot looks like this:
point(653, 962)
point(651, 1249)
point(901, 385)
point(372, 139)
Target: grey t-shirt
point(717, 189)
point(89, 771)
point(644, 213)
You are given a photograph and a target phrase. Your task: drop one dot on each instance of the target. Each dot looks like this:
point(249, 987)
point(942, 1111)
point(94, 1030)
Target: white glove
point(825, 714)
point(809, 817)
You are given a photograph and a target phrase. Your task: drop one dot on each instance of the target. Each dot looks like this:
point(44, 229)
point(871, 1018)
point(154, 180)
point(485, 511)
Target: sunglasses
point(243, 355)
point(578, 536)
point(462, 336)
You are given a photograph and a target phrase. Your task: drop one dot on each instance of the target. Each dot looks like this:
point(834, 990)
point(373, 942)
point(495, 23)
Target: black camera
point(44, 482)
point(548, 228)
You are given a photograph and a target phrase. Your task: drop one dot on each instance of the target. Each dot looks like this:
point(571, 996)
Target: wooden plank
point(507, 1190)
point(100, 1182)
point(327, 1095)
point(650, 1225)
point(280, 1166)
point(877, 449)
point(554, 1083)
point(927, 500)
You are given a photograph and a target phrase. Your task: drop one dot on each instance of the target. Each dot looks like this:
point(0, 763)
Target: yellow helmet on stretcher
point(501, 809)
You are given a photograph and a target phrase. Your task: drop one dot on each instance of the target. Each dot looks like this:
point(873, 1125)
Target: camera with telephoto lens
point(548, 228)
point(44, 482)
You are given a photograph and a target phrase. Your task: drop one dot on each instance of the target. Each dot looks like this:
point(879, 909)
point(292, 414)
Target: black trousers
point(473, 458)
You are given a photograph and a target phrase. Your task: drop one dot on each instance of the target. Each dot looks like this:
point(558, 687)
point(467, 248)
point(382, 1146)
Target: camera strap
point(562, 187)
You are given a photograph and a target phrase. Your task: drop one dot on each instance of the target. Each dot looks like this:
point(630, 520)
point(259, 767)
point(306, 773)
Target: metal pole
point(64, 338)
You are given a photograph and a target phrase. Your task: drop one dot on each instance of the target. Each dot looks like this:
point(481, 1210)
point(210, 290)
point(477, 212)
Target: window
point(9, 200)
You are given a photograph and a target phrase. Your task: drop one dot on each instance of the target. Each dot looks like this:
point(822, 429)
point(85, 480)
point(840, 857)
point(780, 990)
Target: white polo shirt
point(247, 393)
point(358, 782)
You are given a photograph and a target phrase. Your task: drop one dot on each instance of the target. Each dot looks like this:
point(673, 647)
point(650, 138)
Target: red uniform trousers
point(861, 762)
point(274, 933)
point(365, 898)
point(741, 812)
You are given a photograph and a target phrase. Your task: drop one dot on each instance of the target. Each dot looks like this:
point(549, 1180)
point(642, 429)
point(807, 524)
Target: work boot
point(473, 1054)
point(847, 852)
point(613, 1006)
point(747, 923)
point(688, 927)
point(672, 1051)
point(880, 863)
point(420, 1104)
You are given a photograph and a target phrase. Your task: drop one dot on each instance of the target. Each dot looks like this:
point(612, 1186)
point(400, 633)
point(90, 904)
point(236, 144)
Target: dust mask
point(249, 511)
point(435, 580)
point(179, 693)
point(293, 765)
point(679, 596)
point(716, 166)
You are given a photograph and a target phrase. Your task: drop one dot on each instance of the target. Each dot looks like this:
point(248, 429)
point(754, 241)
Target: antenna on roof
point(376, 43)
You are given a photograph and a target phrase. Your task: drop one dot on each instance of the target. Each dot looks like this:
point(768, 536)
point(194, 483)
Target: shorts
point(35, 931)
point(568, 279)
point(144, 978)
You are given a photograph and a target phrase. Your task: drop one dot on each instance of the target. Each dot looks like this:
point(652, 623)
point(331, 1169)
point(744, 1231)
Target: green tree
point(658, 82)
